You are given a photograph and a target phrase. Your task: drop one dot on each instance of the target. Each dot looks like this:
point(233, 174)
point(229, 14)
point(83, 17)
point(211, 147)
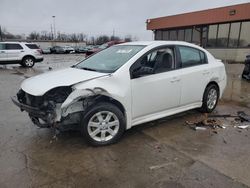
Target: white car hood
point(39, 85)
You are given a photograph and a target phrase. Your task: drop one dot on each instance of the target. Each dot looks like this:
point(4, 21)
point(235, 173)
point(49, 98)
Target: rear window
point(191, 56)
point(13, 46)
point(32, 46)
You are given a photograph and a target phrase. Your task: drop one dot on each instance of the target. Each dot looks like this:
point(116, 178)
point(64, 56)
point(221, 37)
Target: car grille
point(31, 100)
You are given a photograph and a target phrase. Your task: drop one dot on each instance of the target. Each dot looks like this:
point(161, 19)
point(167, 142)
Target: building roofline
point(197, 11)
point(241, 13)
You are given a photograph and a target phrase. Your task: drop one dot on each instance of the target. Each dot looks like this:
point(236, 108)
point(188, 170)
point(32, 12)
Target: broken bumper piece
point(40, 118)
point(31, 110)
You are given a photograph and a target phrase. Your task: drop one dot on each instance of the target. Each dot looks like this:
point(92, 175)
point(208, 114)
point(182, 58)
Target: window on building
point(181, 35)
point(222, 38)
point(204, 36)
point(173, 35)
point(212, 35)
point(196, 39)
point(13, 46)
point(188, 35)
point(191, 56)
point(165, 35)
point(244, 35)
point(234, 34)
point(158, 35)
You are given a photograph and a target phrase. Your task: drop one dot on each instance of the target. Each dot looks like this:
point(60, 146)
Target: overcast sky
point(95, 17)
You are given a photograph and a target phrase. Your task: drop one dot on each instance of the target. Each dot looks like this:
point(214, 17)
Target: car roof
point(161, 42)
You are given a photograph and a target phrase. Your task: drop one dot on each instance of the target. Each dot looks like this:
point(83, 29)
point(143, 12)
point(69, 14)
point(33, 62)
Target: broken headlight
point(58, 95)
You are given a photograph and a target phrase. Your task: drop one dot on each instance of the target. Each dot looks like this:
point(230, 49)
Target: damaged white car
point(123, 86)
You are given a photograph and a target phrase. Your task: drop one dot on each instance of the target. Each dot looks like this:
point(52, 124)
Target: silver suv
point(23, 53)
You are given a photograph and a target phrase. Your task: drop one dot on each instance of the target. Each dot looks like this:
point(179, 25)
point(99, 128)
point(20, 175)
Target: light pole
point(54, 24)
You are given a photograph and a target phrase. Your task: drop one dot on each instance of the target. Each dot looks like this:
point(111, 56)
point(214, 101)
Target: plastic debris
point(200, 128)
point(243, 126)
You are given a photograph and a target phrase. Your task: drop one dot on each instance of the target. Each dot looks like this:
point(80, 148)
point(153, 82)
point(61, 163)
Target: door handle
point(22, 51)
point(2, 51)
point(175, 79)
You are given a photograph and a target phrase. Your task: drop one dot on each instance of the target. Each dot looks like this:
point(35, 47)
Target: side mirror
point(142, 71)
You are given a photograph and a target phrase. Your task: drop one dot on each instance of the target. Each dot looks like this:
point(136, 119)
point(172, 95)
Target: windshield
point(110, 59)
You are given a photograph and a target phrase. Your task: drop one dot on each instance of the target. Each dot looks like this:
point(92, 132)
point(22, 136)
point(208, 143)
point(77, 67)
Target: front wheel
point(28, 62)
point(103, 124)
point(210, 98)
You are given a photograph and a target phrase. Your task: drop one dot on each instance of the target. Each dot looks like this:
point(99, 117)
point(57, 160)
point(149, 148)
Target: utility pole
point(113, 34)
point(51, 32)
point(54, 23)
point(1, 37)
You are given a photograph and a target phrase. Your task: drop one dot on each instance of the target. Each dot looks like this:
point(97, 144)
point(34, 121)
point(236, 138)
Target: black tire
point(206, 108)
point(91, 113)
point(28, 62)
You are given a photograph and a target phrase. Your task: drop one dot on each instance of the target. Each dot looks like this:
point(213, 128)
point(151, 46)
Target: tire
point(210, 98)
point(28, 62)
point(103, 124)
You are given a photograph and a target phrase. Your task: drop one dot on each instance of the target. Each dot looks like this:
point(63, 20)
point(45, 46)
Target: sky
point(96, 17)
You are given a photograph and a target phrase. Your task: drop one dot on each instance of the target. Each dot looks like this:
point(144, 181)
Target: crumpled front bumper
point(35, 114)
point(30, 109)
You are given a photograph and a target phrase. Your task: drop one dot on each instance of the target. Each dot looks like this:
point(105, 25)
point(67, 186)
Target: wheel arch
point(104, 98)
point(213, 83)
point(28, 56)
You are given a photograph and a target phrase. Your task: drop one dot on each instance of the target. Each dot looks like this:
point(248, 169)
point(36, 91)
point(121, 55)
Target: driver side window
point(157, 61)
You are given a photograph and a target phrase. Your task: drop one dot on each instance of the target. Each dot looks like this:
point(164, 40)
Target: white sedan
point(123, 86)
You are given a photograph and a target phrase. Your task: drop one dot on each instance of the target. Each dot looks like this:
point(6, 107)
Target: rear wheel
point(103, 124)
point(28, 62)
point(210, 98)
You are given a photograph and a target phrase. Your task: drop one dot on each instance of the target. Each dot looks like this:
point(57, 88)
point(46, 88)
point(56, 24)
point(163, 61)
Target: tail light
point(39, 50)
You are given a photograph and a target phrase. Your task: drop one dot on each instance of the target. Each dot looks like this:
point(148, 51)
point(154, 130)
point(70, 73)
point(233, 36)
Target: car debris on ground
point(212, 122)
point(243, 126)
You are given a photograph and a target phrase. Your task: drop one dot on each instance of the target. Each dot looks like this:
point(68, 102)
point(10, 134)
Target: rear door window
point(13, 46)
point(191, 56)
point(32, 46)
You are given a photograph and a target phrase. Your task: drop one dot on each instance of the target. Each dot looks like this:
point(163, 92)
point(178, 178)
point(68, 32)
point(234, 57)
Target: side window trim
point(180, 60)
point(7, 48)
point(133, 66)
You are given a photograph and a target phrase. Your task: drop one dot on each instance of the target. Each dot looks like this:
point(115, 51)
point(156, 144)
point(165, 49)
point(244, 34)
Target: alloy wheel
point(103, 126)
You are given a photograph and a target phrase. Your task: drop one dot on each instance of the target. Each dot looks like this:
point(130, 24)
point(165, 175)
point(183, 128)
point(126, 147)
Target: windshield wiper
point(89, 69)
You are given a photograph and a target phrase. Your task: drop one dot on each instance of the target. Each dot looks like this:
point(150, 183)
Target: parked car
point(57, 50)
point(26, 54)
point(246, 71)
point(83, 49)
point(102, 47)
point(68, 49)
point(123, 86)
point(46, 50)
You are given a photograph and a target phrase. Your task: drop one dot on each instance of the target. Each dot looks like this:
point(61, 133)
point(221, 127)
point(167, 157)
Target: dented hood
point(39, 85)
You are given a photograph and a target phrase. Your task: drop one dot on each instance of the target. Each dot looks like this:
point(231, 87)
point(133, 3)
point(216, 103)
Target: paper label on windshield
point(124, 51)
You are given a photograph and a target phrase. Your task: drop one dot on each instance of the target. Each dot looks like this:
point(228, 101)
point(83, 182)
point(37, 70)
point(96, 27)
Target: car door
point(195, 73)
point(155, 84)
point(3, 54)
point(14, 51)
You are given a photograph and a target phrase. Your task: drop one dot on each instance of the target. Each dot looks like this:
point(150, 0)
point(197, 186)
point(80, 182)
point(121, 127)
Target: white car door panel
point(155, 93)
point(14, 51)
point(194, 81)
